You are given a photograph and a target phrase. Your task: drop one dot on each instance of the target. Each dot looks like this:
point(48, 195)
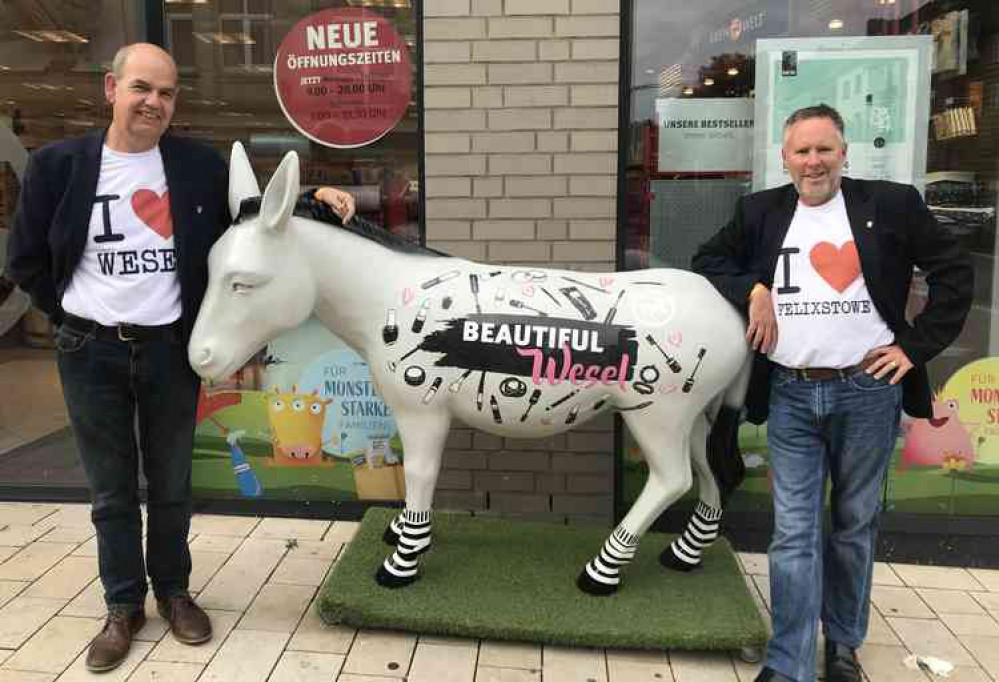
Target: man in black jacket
point(822, 268)
point(111, 239)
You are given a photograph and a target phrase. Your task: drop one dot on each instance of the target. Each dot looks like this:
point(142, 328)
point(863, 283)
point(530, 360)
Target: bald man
point(111, 239)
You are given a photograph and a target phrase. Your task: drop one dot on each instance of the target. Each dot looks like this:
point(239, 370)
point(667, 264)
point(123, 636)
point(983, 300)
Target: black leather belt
point(826, 373)
point(123, 331)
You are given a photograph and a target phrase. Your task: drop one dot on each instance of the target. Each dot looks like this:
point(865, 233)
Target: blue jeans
point(116, 391)
point(842, 429)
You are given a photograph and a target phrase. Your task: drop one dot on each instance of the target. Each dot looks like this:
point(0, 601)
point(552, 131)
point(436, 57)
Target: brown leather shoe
point(188, 622)
point(110, 647)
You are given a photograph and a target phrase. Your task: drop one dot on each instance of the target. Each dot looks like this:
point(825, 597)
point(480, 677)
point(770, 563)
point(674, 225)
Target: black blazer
point(893, 231)
point(56, 202)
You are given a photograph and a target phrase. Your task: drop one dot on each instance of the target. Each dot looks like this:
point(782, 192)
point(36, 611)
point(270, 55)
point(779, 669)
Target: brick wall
point(521, 140)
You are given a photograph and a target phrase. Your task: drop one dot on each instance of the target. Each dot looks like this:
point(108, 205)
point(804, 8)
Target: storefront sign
point(343, 77)
point(705, 135)
point(879, 85)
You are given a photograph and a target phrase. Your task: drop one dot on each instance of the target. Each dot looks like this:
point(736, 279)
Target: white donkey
point(512, 351)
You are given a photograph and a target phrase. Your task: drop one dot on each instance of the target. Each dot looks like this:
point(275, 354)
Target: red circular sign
point(343, 77)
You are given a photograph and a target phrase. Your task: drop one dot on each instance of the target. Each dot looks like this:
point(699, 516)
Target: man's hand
point(762, 331)
point(889, 359)
point(342, 203)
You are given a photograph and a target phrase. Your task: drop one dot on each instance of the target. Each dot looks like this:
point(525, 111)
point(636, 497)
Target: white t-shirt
point(825, 316)
point(128, 272)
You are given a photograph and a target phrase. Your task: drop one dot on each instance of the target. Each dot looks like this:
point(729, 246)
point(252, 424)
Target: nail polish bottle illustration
point(390, 332)
point(421, 316)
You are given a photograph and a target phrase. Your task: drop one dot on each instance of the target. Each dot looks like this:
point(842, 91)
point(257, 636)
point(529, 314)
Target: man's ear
point(110, 83)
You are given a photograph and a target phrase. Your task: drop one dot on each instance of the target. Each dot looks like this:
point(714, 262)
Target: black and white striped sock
point(617, 552)
point(701, 531)
point(414, 539)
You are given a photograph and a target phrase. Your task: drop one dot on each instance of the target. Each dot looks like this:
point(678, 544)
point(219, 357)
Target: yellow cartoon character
point(296, 421)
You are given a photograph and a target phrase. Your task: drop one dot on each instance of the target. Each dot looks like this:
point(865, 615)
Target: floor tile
point(5, 654)
point(562, 664)
point(246, 656)
point(988, 600)
point(71, 515)
point(986, 652)
point(443, 664)
point(350, 677)
point(498, 654)
point(342, 531)
point(277, 608)
point(170, 650)
point(485, 673)
point(204, 566)
point(315, 635)
point(65, 580)
point(34, 560)
point(224, 544)
point(989, 578)
point(697, 666)
point(236, 526)
point(10, 589)
point(290, 529)
point(55, 645)
point(301, 666)
point(950, 601)
point(380, 653)
point(966, 674)
point(940, 577)
point(982, 625)
point(89, 603)
point(236, 584)
point(884, 575)
point(155, 627)
point(885, 664)
point(157, 671)
point(71, 534)
point(22, 616)
point(879, 632)
point(638, 666)
point(20, 535)
point(754, 563)
point(88, 548)
point(762, 583)
point(903, 602)
point(293, 571)
point(21, 514)
point(930, 638)
point(22, 676)
point(7, 552)
point(444, 640)
point(316, 549)
point(77, 672)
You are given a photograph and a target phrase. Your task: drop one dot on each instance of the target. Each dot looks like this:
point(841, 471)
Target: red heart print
point(839, 267)
point(154, 211)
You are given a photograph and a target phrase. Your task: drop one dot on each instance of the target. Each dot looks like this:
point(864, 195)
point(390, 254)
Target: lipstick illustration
point(500, 295)
point(432, 391)
point(497, 417)
point(571, 417)
point(478, 394)
point(584, 284)
point(551, 296)
point(421, 316)
point(514, 303)
point(456, 384)
point(600, 403)
point(390, 332)
point(532, 401)
point(446, 302)
point(689, 382)
point(561, 400)
point(450, 274)
point(391, 365)
point(473, 283)
point(670, 360)
point(613, 311)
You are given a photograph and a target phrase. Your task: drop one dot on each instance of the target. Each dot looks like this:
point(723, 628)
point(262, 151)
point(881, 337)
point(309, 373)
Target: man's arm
point(949, 279)
point(29, 257)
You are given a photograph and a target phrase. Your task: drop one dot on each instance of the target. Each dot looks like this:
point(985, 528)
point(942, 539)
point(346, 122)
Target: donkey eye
point(241, 287)
point(316, 408)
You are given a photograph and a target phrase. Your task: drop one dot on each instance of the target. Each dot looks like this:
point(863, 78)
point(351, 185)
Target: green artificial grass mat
point(498, 579)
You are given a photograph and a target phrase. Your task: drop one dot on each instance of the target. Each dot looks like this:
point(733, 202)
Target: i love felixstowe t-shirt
point(128, 272)
point(825, 316)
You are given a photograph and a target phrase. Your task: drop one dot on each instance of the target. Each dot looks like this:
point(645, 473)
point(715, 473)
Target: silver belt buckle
point(123, 335)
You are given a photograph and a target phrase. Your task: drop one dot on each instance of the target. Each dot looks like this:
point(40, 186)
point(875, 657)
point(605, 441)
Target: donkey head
point(260, 282)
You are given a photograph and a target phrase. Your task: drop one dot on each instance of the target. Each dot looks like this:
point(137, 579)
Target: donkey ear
point(281, 194)
point(242, 181)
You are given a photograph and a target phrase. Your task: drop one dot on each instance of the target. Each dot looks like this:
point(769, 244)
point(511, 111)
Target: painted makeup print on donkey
point(514, 352)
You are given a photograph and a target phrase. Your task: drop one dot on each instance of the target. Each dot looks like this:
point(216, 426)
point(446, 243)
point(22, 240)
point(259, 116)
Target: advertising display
point(880, 86)
point(343, 77)
point(705, 135)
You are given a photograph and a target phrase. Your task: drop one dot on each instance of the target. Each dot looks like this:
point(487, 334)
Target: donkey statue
point(514, 351)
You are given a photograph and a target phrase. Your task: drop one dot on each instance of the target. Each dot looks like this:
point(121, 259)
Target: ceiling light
point(733, 71)
point(709, 81)
point(52, 36)
point(688, 90)
point(835, 24)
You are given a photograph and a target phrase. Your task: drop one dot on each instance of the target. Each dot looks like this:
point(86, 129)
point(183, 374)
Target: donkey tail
point(724, 457)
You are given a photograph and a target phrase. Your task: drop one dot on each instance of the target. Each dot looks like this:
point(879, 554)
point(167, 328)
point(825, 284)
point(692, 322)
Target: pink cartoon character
point(939, 439)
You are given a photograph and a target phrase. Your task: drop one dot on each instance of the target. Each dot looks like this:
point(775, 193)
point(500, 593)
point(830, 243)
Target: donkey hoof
point(671, 561)
point(390, 537)
point(386, 579)
point(591, 586)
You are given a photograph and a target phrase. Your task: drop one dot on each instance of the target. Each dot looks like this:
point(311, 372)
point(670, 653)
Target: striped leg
point(602, 574)
point(684, 554)
point(402, 567)
point(393, 530)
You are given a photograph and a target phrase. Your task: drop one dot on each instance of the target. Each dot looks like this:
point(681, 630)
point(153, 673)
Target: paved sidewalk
point(257, 577)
